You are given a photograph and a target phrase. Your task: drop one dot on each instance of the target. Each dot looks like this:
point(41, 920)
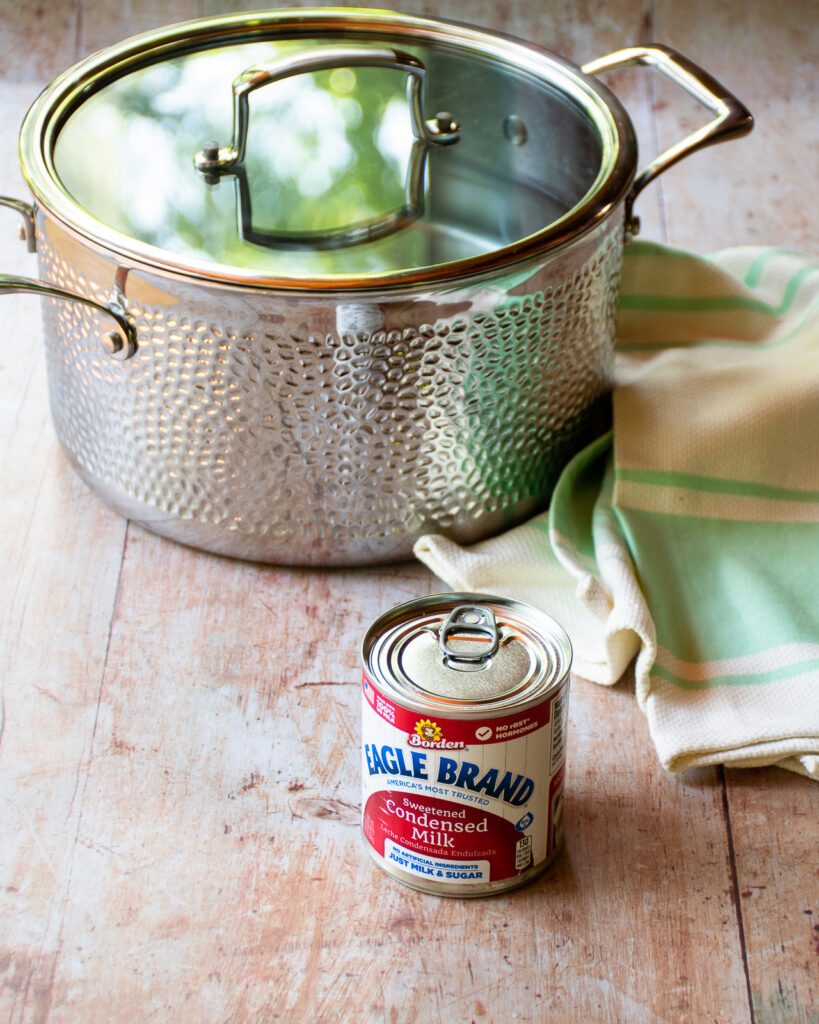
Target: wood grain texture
point(102, 22)
point(778, 887)
point(754, 190)
point(227, 743)
point(55, 604)
point(178, 742)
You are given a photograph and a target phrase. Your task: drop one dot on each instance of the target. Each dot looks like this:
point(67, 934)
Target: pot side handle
point(732, 120)
point(120, 344)
point(27, 229)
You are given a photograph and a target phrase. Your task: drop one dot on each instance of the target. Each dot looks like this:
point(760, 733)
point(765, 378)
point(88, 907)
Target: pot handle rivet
point(443, 126)
point(112, 343)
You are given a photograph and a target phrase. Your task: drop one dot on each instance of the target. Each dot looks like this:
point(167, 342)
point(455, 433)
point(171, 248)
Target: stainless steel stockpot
point(335, 277)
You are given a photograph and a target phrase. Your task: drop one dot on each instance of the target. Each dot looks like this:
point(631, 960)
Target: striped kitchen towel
point(689, 537)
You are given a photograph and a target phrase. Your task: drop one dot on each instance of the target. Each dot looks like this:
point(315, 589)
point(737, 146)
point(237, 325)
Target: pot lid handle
point(213, 160)
point(733, 117)
point(440, 130)
point(335, 238)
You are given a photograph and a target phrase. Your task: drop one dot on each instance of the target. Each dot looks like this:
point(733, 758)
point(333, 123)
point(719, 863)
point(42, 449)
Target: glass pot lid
point(327, 149)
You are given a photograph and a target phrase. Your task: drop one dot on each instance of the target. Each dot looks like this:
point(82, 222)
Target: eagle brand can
point(463, 742)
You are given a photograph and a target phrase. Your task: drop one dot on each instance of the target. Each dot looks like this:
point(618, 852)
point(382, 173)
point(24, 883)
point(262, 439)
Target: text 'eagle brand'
point(509, 787)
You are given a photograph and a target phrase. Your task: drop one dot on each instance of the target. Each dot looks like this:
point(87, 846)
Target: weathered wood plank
point(219, 841)
point(60, 552)
point(104, 22)
point(774, 817)
point(753, 190)
point(579, 30)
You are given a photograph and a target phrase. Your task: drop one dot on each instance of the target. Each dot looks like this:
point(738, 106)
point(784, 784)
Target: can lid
point(471, 652)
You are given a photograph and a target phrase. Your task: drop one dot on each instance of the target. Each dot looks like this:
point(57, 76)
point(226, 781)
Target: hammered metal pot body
point(315, 429)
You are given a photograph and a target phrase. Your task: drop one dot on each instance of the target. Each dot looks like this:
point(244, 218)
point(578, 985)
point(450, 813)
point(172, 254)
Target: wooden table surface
point(178, 746)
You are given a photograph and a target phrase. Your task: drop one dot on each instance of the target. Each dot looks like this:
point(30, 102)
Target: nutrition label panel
point(559, 709)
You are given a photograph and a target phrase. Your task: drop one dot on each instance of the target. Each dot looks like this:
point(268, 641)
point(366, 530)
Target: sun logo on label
point(428, 730)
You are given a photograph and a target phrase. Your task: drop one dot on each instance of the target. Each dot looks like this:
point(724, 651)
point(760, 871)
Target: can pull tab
point(469, 621)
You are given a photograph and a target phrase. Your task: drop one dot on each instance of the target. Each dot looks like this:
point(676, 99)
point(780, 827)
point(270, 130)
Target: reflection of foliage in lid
point(316, 159)
point(324, 151)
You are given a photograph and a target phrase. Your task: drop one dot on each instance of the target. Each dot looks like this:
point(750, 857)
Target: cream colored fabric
point(691, 538)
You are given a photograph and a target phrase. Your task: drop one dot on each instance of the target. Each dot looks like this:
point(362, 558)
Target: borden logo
point(428, 730)
point(429, 734)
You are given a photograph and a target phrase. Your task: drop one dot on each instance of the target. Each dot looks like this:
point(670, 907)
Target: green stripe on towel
point(657, 346)
point(718, 303)
point(715, 485)
point(754, 273)
point(716, 587)
point(750, 679)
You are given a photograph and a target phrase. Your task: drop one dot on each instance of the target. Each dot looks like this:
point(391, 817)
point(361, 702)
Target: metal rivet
point(515, 130)
point(443, 129)
point(210, 150)
point(445, 123)
point(112, 344)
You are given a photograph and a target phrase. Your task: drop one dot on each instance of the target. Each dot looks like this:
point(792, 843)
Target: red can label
point(463, 801)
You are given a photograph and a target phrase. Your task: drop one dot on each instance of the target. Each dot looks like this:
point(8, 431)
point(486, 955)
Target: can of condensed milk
point(465, 698)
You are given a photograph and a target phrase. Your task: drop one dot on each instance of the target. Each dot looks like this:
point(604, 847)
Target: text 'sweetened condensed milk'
point(463, 735)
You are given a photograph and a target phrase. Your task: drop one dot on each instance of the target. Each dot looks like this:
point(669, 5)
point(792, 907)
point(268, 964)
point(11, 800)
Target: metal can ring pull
point(469, 620)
